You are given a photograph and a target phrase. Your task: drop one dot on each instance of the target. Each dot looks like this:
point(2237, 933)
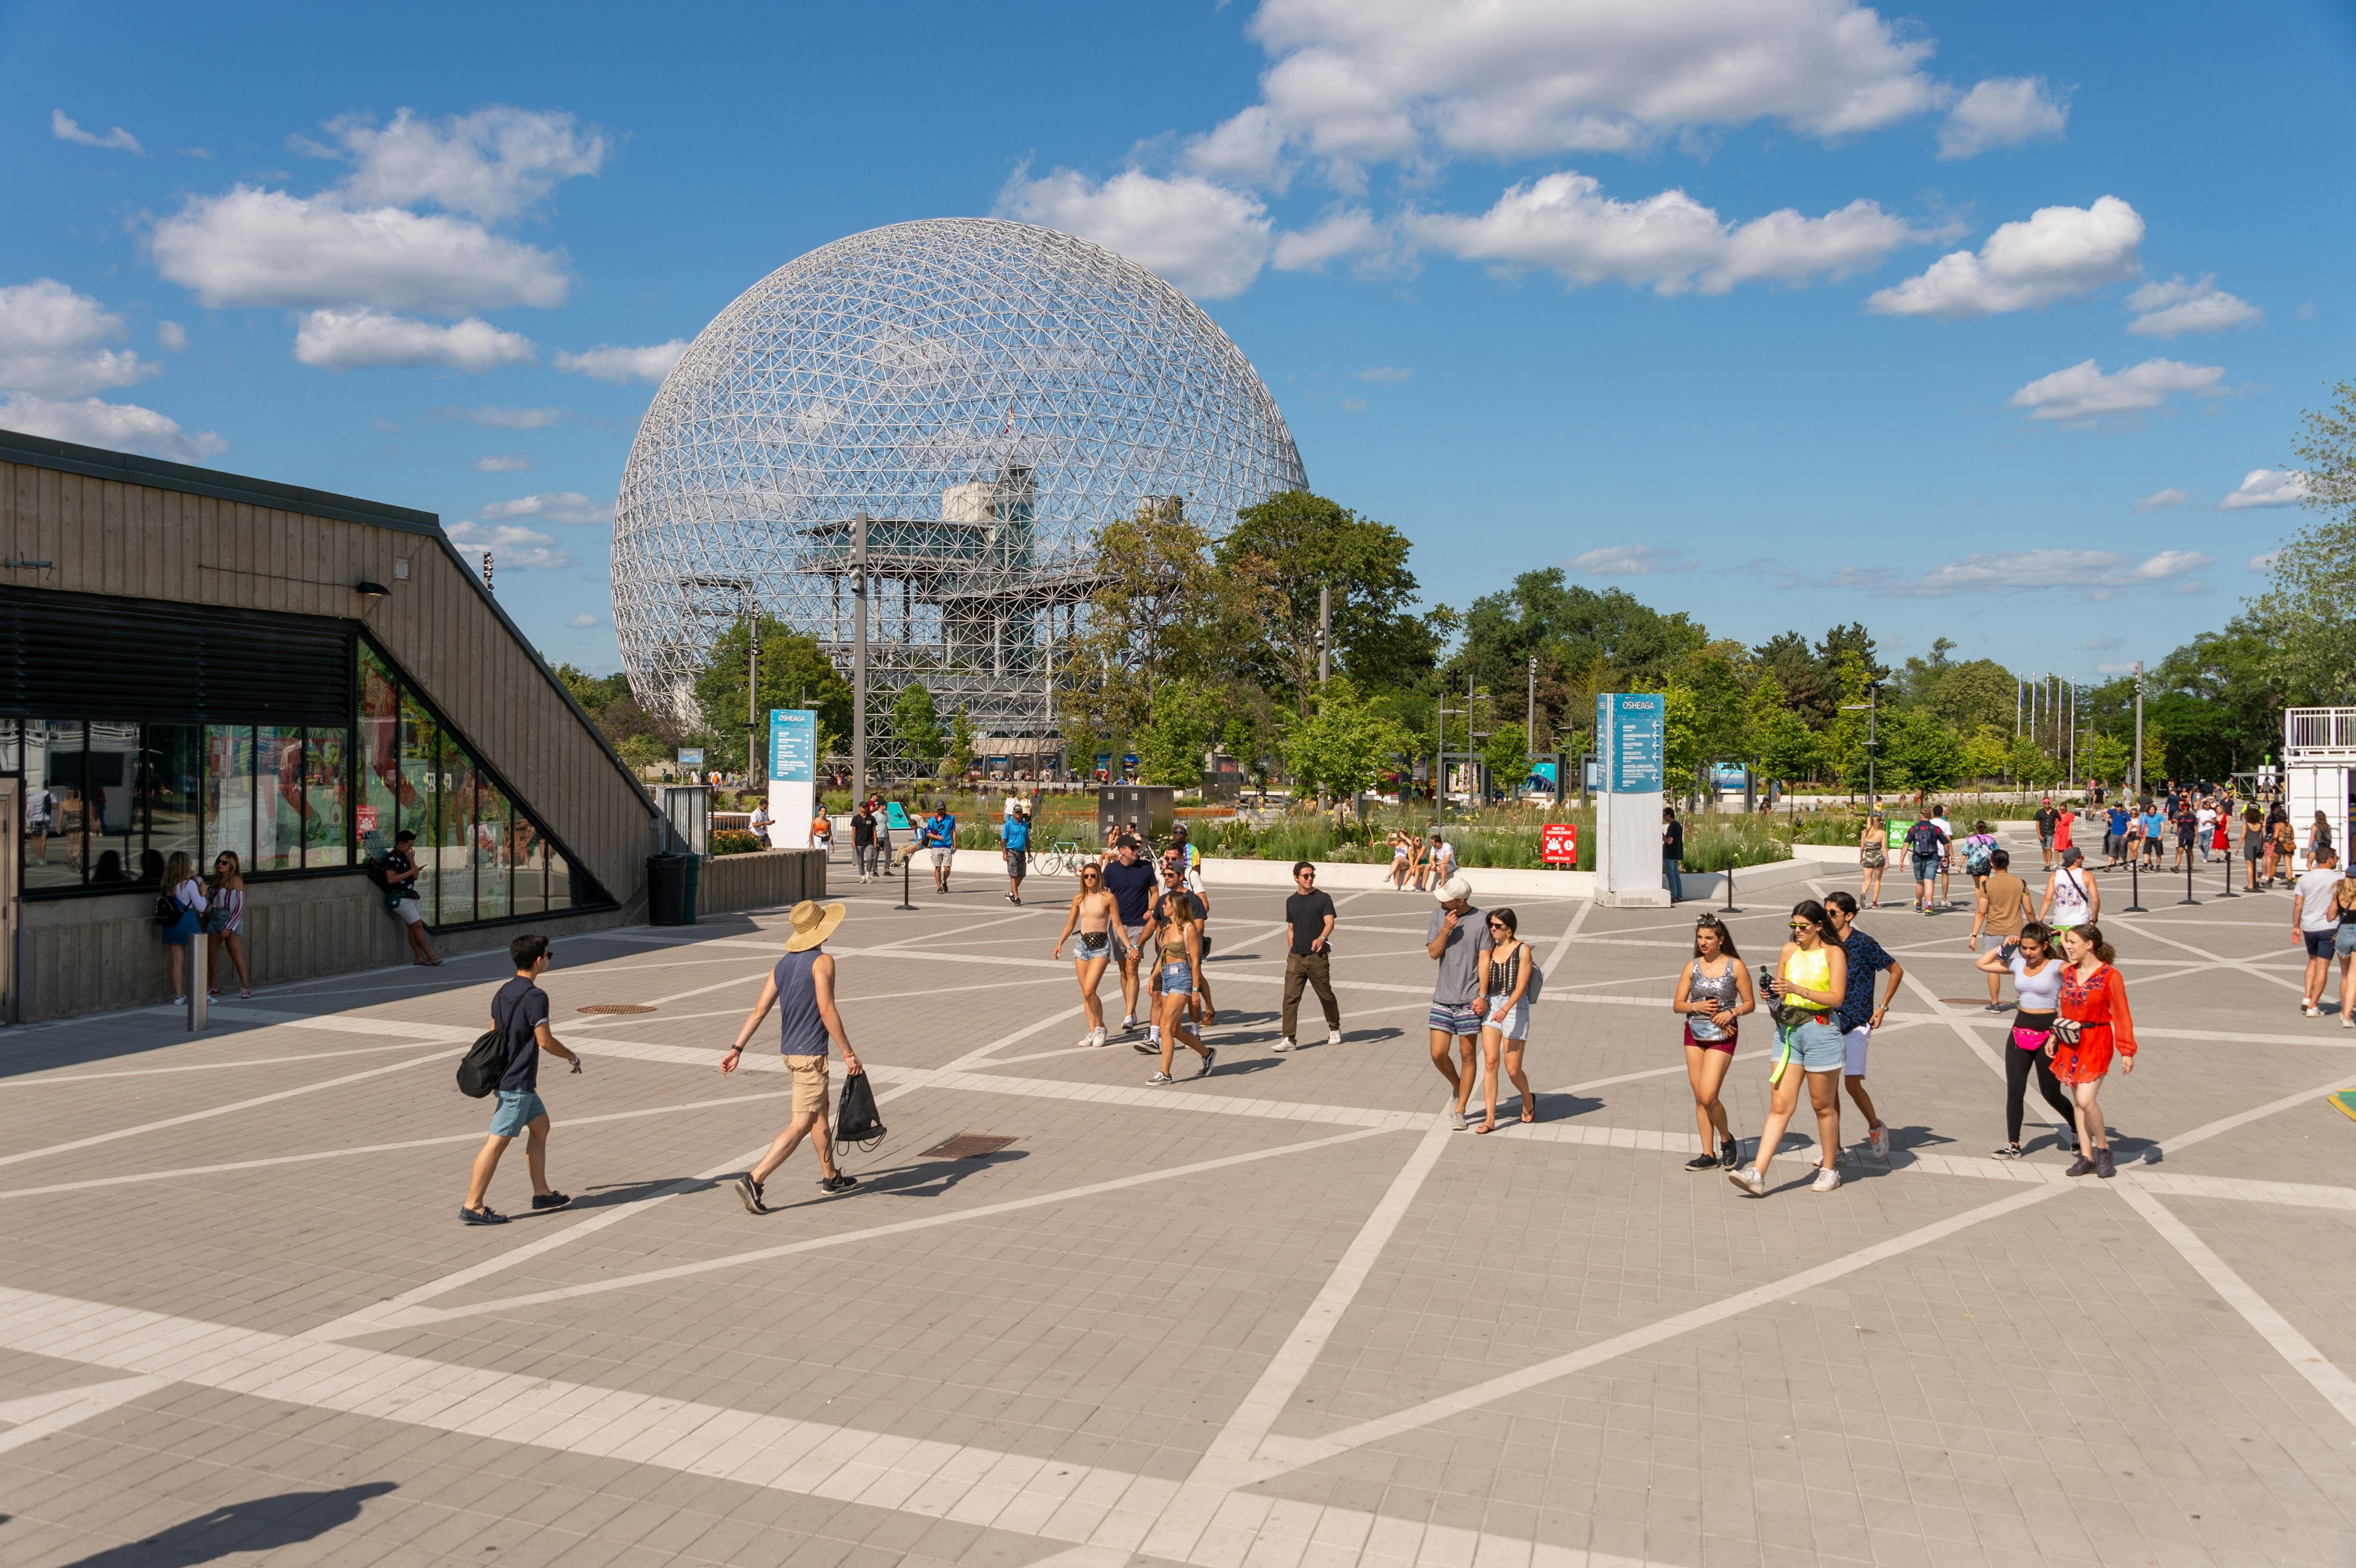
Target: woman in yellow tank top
point(1810, 977)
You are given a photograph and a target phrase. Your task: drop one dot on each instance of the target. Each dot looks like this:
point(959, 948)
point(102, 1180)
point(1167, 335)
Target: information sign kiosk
point(1629, 730)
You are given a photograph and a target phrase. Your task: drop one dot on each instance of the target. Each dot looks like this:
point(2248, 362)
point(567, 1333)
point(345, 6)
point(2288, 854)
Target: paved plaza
point(1276, 1316)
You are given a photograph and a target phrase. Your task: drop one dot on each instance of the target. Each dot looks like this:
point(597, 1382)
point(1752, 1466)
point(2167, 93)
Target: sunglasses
point(1804, 926)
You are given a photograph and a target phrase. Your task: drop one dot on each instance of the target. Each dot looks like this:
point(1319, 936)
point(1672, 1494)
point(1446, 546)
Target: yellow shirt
point(1813, 970)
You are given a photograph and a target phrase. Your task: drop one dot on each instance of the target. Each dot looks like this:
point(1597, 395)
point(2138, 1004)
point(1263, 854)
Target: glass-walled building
point(108, 801)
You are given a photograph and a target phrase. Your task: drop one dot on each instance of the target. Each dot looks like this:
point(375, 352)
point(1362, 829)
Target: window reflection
point(171, 770)
point(453, 845)
point(227, 792)
point(378, 811)
point(323, 800)
point(52, 803)
point(277, 799)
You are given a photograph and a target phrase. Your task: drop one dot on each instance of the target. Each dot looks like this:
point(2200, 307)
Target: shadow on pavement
point(260, 1524)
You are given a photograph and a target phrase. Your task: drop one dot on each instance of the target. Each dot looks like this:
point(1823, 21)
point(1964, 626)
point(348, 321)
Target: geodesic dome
point(987, 394)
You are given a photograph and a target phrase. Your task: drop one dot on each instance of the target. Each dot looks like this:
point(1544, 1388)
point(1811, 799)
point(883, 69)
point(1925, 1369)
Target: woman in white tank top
point(2071, 896)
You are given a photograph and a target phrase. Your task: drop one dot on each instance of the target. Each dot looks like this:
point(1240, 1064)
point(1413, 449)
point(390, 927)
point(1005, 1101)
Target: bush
point(734, 841)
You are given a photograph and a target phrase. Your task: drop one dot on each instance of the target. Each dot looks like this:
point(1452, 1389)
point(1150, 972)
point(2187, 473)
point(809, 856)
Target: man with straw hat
point(801, 988)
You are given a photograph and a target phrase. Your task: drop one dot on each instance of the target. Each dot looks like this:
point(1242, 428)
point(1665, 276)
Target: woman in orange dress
point(2093, 1025)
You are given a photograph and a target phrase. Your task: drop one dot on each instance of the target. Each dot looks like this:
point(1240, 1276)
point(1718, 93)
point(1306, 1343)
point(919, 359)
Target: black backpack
point(168, 910)
point(485, 1063)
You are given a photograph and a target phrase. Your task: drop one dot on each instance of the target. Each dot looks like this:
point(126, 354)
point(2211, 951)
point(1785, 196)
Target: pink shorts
point(1726, 1045)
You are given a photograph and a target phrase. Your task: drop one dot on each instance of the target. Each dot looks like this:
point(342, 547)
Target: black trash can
point(694, 881)
point(669, 890)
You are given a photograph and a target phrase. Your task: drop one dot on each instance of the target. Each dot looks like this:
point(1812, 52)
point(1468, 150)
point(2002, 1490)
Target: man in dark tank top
point(801, 988)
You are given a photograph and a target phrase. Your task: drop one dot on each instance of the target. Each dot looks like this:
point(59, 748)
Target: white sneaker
point(1748, 1178)
point(1878, 1140)
point(1284, 1044)
point(1158, 1078)
point(1827, 1177)
point(1127, 1025)
point(1332, 1037)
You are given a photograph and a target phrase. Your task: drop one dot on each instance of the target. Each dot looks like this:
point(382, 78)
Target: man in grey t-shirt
point(1458, 937)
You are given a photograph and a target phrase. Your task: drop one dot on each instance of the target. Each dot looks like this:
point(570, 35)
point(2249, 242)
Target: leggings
point(2018, 1065)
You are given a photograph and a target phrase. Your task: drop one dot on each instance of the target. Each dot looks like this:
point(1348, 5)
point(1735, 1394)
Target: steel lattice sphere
point(988, 394)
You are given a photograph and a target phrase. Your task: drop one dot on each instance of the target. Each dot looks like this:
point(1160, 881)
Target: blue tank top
point(800, 1031)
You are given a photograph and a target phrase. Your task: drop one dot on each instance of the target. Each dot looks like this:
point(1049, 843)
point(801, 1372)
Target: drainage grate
point(617, 1008)
point(966, 1146)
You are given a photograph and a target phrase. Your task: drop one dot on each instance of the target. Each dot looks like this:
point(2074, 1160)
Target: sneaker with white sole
point(2009, 1151)
point(1748, 1178)
point(1332, 1037)
point(1284, 1044)
point(1158, 1078)
point(1878, 1140)
point(1827, 1177)
point(2310, 1009)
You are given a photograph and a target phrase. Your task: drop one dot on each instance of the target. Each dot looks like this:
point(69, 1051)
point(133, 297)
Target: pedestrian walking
point(1977, 852)
point(1014, 836)
point(1308, 957)
point(2204, 828)
point(2094, 1026)
point(801, 988)
point(1926, 847)
point(2036, 970)
point(1131, 883)
point(1506, 1016)
point(2155, 834)
point(1093, 913)
point(2344, 943)
point(2319, 839)
point(2071, 897)
point(940, 837)
point(1458, 939)
point(1177, 974)
point(2046, 818)
point(2115, 836)
point(2065, 826)
point(2188, 827)
point(1858, 1015)
point(189, 902)
point(1873, 856)
point(2285, 849)
point(2314, 922)
point(1672, 853)
point(2000, 911)
point(1947, 852)
point(1810, 979)
point(2255, 848)
point(225, 922)
point(519, 1015)
point(761, 823)
point(862, 840)
point(821, 833)
point(1713, 992)
point(1175, 878)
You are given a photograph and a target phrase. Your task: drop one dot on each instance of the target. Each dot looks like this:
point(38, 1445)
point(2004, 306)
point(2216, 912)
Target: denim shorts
point(1514, 1025)
point(519, 1108)
point(1176, 980)
point(1817, 1047)
point(2344, 946)
point(1926, 866)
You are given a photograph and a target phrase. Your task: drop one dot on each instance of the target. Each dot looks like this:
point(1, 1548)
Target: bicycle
point(1062, 858)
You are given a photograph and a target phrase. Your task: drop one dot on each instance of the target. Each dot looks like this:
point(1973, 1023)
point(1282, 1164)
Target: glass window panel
point(326, 789)
point(52, 803)
point(170, 773)
point(559, 881)
point(455, 846)
point(377, 810)
point(228, 793)
point(421, 795)
point(110, 767)
point(278, 799)
point(531, 857)
point(495, 854)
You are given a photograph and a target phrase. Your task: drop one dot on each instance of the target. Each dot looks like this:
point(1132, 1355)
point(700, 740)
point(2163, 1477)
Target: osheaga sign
point(793, 774)
point(1558, 843)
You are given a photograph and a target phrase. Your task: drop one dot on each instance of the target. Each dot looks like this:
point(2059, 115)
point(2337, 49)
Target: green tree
point(917, 723)
point(1343, 747)
point(1986, 754)
point(795, 672)
point(1507, 755)
point(639, 738)
point(959, 760)
point(2311, 597)
point(1918, 751)
point(1187, 715)
point(1291, 545)
point(2104, 757)
point(1681, 739)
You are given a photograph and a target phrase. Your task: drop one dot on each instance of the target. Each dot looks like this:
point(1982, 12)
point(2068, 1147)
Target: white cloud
point(1564, 223)
point(171, 337)
point(1246, 148)
point(1354, 405)
point(124, 427)
point(2114, 669)
point(2083, 392)
point(2263, 562)
point(2176, 306)
point(50, 339)
point(117, 140)
point(509, 419)
point(520, 547)
point(557, 507)
point(266, 248)
point(492, 163)
point(1208, 239)
point(1628, 561)
point(2161, 498)
point(1386, 375)
point(2268, 488)
point(501, 462)
point(609, 363)
point(1360, 79)
point(2057, 252)
point(2002, 112)
point(2095, 572)
point(346, 339)
point(1350, 232)
point(580, 621)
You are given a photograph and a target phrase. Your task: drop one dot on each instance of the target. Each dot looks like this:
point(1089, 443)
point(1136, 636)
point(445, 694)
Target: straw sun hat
point(813, 923)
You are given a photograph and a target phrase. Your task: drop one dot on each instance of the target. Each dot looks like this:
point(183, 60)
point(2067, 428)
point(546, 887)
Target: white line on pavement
point(38, 1416)
point(204, 1066)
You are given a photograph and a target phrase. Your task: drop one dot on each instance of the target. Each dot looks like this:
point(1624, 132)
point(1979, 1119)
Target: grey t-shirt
point(1460, 962)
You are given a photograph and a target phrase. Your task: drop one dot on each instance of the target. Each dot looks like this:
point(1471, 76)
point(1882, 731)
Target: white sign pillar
point(1629, 733)
point(793, 776)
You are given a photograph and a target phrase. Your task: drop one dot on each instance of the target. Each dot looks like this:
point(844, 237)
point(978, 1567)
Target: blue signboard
point(1629, 726)
point(690, 756)
point(793, 745)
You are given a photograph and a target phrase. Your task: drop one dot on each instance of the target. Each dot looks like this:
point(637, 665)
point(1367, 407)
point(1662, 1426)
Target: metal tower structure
point(974, 396)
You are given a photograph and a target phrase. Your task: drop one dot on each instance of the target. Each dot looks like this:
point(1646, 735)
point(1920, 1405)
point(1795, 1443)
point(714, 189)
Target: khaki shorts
point(809, 1085)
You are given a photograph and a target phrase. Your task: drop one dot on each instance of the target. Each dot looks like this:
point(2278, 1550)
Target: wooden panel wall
point(764, 879)
point(143, 541)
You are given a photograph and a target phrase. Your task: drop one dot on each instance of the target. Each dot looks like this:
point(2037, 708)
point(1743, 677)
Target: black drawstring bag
point(855, 1121)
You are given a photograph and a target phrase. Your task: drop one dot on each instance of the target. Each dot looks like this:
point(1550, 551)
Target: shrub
point(734, 841)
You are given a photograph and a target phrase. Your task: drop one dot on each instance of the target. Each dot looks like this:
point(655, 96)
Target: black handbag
point(855, 1119)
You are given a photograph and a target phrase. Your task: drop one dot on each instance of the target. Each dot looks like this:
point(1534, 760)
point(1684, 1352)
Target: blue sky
point(1991, 322)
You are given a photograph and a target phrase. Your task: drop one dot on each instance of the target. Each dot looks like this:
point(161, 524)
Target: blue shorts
point(2321, 944)
point(2346, 941)
point(519, 1108)
point(1926, 867)
point(1176, 980)
point(1514, 1025)
point(1817, 1046)
point(1456, 1017)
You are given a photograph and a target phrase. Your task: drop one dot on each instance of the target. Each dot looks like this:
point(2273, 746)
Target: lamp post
point(1871, 710)
point(745, 585)
point(858, 658)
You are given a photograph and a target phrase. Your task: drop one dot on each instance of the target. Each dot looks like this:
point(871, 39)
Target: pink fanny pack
point(2030, 1038)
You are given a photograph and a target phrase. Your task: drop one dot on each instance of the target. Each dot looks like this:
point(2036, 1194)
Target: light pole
point(745, 585)
point(2135, 788)
point(858, 658)
point(1325, 634)
point(1871, 710)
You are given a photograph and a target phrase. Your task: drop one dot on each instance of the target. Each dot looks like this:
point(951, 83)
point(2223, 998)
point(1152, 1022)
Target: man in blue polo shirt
point(1015, 834)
